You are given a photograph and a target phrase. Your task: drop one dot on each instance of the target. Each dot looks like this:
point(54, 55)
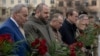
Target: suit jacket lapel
point(16, 27)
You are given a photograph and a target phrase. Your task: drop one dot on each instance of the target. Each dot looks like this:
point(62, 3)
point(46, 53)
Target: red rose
point(72, 46)
point(35, 42)
point(6, 37)
point(43, 42)
point(1, 39)
point(72, 49)
point(72, 53)
point(42, 48)
point(80, 44)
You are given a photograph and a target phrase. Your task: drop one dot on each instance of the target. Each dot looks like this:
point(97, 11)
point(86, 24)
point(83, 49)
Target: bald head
point(42, 12)
point(40, 7)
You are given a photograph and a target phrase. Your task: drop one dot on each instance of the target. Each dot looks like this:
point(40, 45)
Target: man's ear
point(69, 15)
point(15, 14)
point(37, 12)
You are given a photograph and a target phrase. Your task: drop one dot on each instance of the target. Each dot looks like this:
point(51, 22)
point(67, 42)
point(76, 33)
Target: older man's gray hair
point(17, 8)
point(56, 16)
point(82, 16)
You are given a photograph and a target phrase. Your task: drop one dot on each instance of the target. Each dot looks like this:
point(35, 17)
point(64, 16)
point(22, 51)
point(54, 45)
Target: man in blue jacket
point(14, 26)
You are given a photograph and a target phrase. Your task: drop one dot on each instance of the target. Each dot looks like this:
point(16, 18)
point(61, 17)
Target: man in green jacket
point(37, 29)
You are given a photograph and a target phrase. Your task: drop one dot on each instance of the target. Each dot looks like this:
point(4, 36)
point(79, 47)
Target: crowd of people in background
point(42, 35)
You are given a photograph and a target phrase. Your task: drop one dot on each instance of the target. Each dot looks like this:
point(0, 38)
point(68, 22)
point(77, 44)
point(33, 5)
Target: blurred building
point(6, 5)
point(93, 7)
point(89, 6)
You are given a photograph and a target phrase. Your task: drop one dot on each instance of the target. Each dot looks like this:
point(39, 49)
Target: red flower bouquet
point(5, 44)
point(73, 48)
point(40, 44)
